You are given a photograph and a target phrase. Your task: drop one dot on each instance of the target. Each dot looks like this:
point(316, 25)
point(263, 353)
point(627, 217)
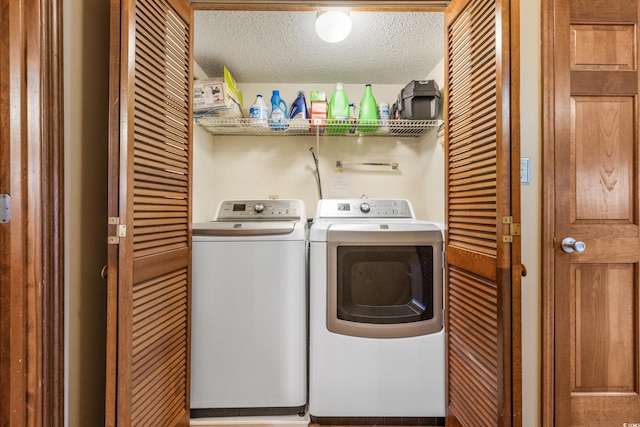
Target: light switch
point(525, 170)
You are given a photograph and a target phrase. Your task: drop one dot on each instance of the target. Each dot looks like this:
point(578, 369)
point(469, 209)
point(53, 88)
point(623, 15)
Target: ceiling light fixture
point(333, 25)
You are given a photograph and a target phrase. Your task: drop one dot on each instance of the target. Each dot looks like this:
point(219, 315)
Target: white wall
point(530, 141)
point(433, 154)
point(86, 63)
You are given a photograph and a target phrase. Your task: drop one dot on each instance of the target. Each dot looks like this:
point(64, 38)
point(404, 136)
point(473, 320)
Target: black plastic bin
point(420, 100)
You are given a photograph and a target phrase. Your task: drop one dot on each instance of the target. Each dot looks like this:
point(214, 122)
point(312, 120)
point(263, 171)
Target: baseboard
point(379, 421)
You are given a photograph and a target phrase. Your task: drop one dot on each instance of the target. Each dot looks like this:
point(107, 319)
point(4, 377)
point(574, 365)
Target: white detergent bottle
point(259, 113)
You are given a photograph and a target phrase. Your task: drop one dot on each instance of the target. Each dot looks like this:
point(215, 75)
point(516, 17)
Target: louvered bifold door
point(149, 223)
point(480, 215)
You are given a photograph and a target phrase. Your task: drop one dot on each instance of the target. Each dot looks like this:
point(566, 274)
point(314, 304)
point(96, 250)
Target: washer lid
point(242, 228)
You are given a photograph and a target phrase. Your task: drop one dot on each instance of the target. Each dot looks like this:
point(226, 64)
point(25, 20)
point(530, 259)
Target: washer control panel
point(364, 208)
point(278, 209)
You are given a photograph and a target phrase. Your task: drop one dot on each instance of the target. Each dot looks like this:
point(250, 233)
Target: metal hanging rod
point(341, 164)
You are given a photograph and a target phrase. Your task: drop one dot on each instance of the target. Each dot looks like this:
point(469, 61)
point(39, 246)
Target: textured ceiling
point(282, 47)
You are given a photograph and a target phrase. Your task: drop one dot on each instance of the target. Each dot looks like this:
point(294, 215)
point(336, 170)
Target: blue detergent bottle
point(299, 113)
point(278, 111)
point(299, 108)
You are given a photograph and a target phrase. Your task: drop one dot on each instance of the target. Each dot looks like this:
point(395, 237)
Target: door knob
point(569, 244)
point(103, 272)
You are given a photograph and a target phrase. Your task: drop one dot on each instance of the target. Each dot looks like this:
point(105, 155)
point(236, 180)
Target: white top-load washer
point(376, 314)
point(249, 318)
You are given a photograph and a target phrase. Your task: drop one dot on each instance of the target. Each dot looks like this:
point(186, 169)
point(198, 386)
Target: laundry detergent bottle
point(259, 113)
point(299, 113)
point(278, 111)
point(338, 111)
point(368, 116)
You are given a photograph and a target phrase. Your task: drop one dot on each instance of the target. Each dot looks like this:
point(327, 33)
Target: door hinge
point(5, 208)
point(121, 230)
point(514, 229)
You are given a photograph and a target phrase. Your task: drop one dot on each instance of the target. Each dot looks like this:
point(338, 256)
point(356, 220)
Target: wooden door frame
point(551, 399)
point(36, 259)
point(296, 5)
point(32, 249)
point(548, 396)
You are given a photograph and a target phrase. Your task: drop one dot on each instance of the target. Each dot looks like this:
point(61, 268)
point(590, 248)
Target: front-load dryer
point(376, 314)
point(249, 310)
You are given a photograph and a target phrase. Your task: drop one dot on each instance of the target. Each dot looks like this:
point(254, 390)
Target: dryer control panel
point(364, 208)
point(278, 209)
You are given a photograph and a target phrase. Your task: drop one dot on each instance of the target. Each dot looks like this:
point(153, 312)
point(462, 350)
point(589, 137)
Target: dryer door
point(385, 283)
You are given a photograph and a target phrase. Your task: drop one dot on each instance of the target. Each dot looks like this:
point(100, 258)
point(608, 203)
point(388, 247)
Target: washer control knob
point(365, 207)
point(258, 207)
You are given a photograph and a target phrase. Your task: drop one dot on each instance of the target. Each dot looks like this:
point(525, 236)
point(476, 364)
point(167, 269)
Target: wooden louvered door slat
point(149, 193)
point(483, 255)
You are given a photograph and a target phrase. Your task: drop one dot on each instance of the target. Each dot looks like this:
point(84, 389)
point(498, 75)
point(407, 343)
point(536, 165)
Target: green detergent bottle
point(368, 116)
point(338, 111)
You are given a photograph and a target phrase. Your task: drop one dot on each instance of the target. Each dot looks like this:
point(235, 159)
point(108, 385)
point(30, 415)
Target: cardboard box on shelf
point(318, 113)
point(219, 97)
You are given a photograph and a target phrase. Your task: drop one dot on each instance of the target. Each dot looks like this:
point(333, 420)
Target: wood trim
point(32, 249)
point(12, 327)
point(516, 213)
point(52, 205)
point(292, 5)
point(547, 389)
point(113, 183)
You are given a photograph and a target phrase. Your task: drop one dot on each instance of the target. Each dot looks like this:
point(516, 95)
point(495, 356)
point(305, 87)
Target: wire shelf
point(318, 127)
